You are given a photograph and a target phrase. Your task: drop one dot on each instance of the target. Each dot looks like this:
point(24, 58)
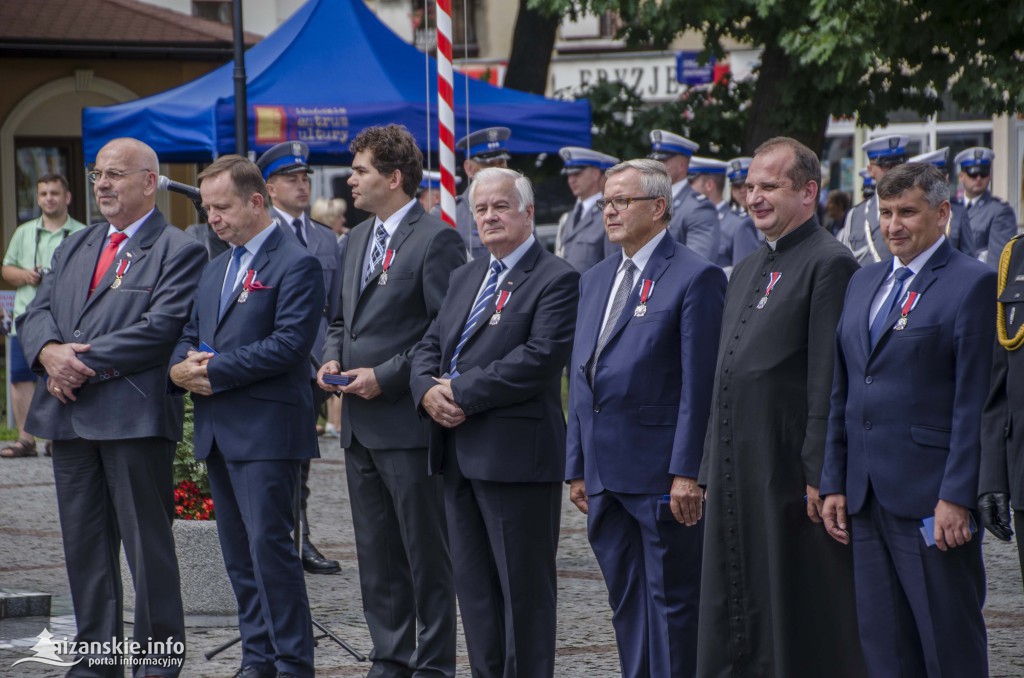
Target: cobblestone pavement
point(31, 559)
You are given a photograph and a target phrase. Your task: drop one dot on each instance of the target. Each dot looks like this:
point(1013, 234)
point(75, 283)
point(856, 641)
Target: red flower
point(190, 503)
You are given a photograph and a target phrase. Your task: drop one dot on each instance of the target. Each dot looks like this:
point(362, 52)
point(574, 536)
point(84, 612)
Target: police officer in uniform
point(992, 220)
point(582, 240)
point(694, 221)
point(867, 186)
point(958, 229)
point(861, 233)
point(738, 233)
point(483, 148)
point(286, 171)
point(1001, 482)
point(737, 174)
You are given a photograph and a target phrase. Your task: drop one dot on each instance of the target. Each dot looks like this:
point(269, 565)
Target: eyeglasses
point(975, 172)
point(114, 175)
point(621, 204)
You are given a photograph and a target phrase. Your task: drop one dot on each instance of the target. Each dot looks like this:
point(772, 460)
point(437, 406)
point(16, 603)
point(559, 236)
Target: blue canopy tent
point(325, 74)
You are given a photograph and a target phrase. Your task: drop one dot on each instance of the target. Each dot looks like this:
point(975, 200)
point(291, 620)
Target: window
point(214, 10)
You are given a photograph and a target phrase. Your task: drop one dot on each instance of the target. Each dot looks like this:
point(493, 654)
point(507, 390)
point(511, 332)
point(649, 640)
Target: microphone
point(190, 192)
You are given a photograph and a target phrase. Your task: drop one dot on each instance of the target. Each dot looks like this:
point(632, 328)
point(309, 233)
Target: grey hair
point(923, 175)
point(654, 179)
point(524, 189)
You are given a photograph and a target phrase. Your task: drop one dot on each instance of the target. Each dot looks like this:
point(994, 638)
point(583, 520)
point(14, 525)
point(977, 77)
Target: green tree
point(715, 116)
point(862, 58)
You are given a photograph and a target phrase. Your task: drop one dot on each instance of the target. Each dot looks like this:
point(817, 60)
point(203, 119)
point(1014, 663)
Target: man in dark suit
point(102, 328)
point(694, 219)
point(394, 277)
point(913, 353)
point(488, 373)
point(257, 309)
point(991, 218)
point(286, 171)
point(581, 237)
point(638, 409)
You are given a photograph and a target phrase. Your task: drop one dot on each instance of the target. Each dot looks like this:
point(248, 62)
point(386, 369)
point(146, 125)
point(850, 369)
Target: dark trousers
point(918, 608)
point(504, 539)
point(652, 570)
point(109, 492)
point(255, 504)
point(405, 570)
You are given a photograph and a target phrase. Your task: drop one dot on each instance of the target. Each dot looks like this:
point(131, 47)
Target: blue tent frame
point(325, 74)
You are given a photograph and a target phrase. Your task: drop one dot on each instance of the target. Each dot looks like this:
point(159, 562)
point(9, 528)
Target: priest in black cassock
point(777, 596)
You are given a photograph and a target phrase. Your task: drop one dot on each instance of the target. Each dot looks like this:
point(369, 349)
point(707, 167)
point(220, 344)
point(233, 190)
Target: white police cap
point(699, 165)
point(738, 168)
point(577, 159)
point(665, 144)
point(975, 157)
point(892, 147)
point(937, 158)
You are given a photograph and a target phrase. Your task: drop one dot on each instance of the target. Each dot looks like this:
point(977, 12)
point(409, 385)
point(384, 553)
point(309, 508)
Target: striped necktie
point(483, 300)
point(380, 237)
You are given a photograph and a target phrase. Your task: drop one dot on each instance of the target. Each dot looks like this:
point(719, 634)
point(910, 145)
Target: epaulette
point(699, 197)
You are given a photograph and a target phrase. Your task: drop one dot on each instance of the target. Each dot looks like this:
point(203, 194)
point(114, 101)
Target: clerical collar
point(794, 237)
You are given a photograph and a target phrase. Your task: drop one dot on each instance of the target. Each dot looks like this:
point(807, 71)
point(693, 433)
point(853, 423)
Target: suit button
point(868, 379)
point(354, 337)
point(583, 368)
point(597, 408)
point(867, 425)
point(78, 333)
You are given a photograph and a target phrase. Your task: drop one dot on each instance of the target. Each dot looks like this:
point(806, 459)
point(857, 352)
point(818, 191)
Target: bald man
point(101, 330)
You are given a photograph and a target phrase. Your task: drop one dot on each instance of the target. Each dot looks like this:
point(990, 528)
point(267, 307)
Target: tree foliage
point(861, 58)
point(714, 116)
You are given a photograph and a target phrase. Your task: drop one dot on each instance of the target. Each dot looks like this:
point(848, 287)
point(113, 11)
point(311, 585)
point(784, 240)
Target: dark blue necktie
point(483, 300)
point(229, 280)
point(879, 325)
point(297, 225)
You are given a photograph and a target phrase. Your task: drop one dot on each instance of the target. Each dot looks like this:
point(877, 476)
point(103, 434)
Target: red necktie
point(106, 258)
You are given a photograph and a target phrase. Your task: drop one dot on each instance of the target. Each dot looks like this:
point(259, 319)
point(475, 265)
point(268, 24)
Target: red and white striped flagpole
point(446, 110)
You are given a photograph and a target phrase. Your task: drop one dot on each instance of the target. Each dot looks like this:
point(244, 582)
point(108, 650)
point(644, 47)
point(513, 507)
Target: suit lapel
point(358, 239)
point(403, 231)
point(515, 278)
point(656, 266)
point(209, 297)
point(922, 281)
point(463, 299)
point(258, 263)
point(596, 302)
point(134, 250)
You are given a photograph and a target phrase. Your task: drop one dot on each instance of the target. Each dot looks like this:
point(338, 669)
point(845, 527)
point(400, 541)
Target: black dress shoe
point(314, 562)
point(256, 671)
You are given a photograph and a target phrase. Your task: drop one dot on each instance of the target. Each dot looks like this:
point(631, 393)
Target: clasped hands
point(191, 373)
point(364, 380)
point(65, 372)
point(439, 403)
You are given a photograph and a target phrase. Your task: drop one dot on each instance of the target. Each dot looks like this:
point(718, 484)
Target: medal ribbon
point(646, 289)
point(388, 258)
point(502, 300)
point(911, 302)
point(249, 277)
point(773, 279)
point(122, 268)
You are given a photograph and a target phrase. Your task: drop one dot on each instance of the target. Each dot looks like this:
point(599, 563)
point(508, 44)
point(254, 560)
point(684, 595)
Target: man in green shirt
point(26, 262)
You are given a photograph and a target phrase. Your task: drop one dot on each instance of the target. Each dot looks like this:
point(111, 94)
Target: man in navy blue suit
point(255, 318)
point(641, 379)
point(488, 374)
point(913, 353)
